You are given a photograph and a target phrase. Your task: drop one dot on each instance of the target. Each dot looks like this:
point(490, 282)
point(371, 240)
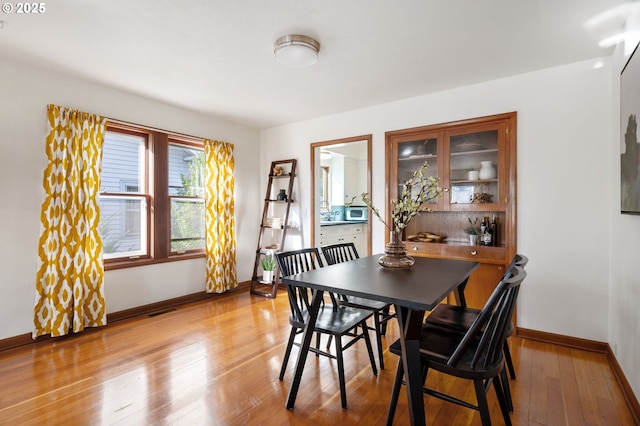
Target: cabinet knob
point(415, 248)
point(474, 252)
point(445, 189)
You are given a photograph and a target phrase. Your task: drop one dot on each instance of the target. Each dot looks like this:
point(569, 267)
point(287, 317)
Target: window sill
point(132, 263)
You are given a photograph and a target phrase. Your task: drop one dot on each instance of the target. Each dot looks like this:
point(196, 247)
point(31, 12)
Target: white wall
point(624, 238)
point(25, 92)
point(564, 141)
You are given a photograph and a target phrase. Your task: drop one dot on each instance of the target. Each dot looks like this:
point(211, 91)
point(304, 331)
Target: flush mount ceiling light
point(296, 50)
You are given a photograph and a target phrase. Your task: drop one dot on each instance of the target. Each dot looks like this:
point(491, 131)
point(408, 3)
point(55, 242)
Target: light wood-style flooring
point(216, 362)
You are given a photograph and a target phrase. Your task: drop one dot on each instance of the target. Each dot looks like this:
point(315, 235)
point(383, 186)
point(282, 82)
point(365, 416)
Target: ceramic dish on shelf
point(468, 146)
point(426, 237)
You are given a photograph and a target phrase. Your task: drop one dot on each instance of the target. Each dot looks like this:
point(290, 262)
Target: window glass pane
point(122, 163)
point(123, 225)
point(187, 224)
point(186, 171)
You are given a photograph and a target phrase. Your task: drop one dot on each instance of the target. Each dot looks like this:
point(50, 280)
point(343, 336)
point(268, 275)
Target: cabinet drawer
point(359, 229)
point(424, 249)
point(480, 253)
point(477, 253)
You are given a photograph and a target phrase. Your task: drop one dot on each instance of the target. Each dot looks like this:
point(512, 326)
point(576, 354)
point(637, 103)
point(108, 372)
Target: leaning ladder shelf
point(272, 202)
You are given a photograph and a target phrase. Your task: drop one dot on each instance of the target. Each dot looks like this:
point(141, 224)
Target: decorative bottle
point(485, 238)
point(494, 231)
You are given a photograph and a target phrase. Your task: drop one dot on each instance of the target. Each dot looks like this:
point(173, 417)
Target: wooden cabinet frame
point(450, 218)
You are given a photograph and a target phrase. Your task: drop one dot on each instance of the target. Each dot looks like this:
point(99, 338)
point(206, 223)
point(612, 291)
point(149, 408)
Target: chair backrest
point(489, 331)
point(518, 260)
point(338, 253)
point(295, 262)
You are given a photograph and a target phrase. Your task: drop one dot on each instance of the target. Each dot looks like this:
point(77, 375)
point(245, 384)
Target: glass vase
point(395, 253)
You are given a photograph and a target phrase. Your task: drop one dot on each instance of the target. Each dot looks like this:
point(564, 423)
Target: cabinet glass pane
point(473, 168)
point(412, 154)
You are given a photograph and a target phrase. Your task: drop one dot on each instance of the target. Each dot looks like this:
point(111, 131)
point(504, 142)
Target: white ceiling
point(216, 56)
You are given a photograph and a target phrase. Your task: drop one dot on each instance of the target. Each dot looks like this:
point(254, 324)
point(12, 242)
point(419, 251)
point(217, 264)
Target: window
point(132, 218)
point(151, 196)
point(186, 194)
point(123, 195)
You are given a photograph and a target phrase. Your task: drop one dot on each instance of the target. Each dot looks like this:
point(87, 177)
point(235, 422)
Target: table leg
point(304, 346)
point(410, 322)
point(459, 294)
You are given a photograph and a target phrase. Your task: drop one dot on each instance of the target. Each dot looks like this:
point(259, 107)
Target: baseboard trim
point(559, 339)
point(593, 346)
point(26, 339)
point(152, 308)
point(627, 391)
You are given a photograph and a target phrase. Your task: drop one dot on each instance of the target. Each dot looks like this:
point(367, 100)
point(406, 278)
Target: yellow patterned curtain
point(219, 217)
point(69, 281)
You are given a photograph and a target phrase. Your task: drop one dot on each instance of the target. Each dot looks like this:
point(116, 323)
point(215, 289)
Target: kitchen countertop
point(341, 222)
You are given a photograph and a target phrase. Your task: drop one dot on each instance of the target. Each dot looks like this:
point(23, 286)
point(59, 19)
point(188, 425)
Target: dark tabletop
point(420, 287)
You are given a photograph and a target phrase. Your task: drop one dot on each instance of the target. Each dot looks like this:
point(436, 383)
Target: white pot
point(473, 239)
point(267, 276)
point(487, 171)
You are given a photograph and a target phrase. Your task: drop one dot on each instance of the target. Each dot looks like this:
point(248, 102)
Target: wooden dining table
point(412, 291)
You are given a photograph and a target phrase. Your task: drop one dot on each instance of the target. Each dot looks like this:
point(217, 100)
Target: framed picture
point(629, 147)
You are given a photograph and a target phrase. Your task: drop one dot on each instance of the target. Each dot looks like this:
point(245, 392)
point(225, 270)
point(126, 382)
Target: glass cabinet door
point(411, 153)
point(475, 169)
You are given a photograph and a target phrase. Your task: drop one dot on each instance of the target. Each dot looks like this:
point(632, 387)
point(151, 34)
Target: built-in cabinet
point(345, 233)
point(350, 179)
point(475, 161)
point(355, 180)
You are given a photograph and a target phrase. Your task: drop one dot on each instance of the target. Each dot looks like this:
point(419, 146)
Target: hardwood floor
point(216, 362)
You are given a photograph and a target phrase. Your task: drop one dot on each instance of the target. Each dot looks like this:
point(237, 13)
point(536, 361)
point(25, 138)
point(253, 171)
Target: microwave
point(356, 213)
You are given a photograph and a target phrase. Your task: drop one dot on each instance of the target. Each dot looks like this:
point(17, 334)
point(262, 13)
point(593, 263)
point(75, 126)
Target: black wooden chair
point(344, 252)
point(333, 320)
point(475, 355)
point(460, 318)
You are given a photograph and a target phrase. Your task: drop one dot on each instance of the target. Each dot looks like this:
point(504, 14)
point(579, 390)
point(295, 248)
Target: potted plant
point(473, 231)
point(268, 264)
point(416, 192)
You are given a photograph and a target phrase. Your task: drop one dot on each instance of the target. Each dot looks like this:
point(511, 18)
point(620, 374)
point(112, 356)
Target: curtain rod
point(153, 129)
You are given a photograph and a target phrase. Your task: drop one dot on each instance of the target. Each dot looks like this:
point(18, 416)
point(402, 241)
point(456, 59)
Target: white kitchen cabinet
point(359, 234)
point(350, 179)
point(345, 232)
